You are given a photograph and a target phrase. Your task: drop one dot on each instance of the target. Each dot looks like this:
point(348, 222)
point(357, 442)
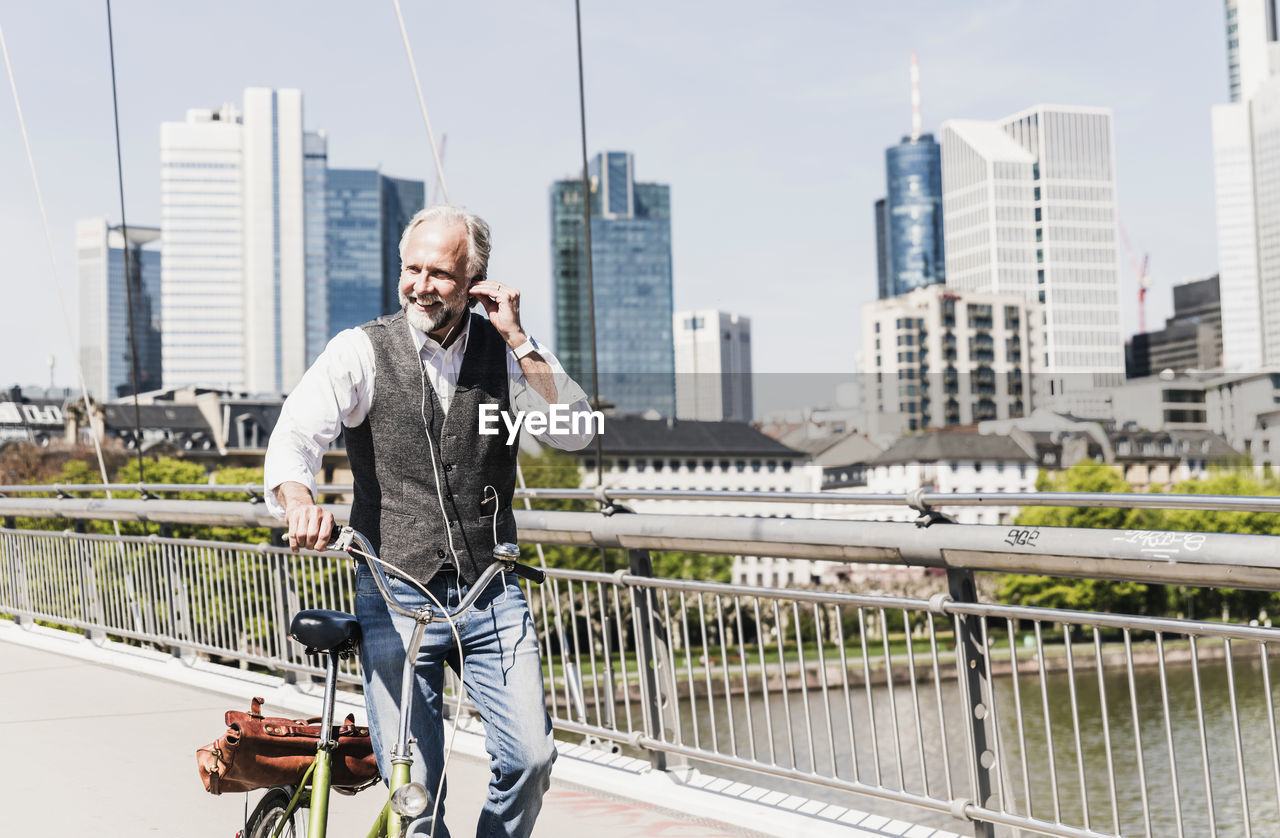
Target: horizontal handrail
point(916, 500)
point(1210, 559)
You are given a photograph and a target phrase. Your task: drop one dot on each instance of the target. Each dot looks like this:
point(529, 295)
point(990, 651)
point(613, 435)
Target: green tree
point(1084, 476)
point(1199, 602)
point(1217, 520)
point(705, 567)
point(552, 469)
point(1083, 594)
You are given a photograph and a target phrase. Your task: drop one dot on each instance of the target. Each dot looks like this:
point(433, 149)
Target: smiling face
point(434, 277)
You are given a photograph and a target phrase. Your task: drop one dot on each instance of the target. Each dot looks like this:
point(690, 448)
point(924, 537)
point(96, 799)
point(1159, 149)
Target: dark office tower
point(909, 247)
point(882, 250)
point(367, 212)
point(1190, 340)
point(631, 263)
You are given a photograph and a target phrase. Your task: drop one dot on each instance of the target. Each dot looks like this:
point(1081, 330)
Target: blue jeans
point(502, 677)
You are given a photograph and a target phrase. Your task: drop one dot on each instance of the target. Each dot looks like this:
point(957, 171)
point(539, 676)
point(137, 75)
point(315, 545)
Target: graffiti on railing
point(1161, 544)
point(1019, 537)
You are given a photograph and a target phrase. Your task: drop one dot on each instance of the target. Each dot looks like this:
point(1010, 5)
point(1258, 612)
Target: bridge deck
point(101, 739)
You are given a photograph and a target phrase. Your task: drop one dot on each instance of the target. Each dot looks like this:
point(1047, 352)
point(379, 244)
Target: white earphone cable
point(448, 531)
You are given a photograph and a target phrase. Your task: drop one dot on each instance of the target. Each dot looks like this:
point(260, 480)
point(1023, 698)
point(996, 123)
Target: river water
point(823, 743)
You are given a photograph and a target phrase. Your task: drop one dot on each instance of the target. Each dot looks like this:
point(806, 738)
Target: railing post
point(285, 593)
point(179, 612)
point(21, 590)
point(90, 600)
point(972, 654)
point(654, 665)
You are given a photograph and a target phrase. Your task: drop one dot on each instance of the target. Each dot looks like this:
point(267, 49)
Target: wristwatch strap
point(526, 348)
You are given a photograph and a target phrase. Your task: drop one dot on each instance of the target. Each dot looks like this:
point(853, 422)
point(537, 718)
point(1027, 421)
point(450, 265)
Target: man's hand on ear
point(502, 303)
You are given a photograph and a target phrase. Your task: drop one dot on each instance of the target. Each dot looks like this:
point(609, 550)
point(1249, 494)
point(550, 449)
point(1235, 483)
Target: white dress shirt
point(337, 392)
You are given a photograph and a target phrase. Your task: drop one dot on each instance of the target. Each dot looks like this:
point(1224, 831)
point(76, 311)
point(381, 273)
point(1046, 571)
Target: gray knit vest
point(396, 504)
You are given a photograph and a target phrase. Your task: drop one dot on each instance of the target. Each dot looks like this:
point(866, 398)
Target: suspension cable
point(586, 219)
point(53, 260)
point(422, 102)
point(128, 274)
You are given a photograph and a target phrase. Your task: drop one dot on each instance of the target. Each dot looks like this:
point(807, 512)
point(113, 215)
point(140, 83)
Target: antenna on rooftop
point(915, 98)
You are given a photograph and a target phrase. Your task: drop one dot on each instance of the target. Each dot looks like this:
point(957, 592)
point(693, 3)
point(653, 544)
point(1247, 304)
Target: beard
point(424, 322)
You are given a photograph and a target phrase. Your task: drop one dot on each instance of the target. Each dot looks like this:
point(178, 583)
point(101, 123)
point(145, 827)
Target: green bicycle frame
point(296, 801)
point(388, 823)
point(322, 773)
point(319, 774)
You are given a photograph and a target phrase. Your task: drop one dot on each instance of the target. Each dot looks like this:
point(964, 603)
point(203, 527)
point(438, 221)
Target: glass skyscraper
point(104, 307)
point(315, 167)
point(909, 244)
point(631, 264)
point(367, 211)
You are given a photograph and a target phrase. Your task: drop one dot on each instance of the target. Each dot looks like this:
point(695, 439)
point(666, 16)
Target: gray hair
point(477, 235)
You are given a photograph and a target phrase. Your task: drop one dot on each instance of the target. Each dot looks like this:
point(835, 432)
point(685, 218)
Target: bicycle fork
point(396, 815)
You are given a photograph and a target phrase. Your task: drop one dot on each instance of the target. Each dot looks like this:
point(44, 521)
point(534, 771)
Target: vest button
point(448, 467)
point(439, 554)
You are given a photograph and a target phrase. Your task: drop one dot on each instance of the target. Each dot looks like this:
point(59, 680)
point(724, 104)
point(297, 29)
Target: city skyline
point(770, 125)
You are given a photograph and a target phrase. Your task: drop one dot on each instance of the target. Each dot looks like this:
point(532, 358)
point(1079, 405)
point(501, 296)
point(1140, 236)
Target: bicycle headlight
point(409, 801)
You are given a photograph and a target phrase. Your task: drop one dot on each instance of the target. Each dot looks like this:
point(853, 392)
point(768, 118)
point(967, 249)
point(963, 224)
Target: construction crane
point(1144, 279)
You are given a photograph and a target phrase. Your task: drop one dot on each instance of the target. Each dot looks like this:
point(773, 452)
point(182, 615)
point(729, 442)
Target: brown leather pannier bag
point(258, 752)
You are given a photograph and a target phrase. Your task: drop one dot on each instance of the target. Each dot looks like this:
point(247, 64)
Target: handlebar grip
point(533, 574)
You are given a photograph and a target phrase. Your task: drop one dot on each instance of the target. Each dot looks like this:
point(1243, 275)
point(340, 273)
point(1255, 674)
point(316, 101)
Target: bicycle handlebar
point(503, 562)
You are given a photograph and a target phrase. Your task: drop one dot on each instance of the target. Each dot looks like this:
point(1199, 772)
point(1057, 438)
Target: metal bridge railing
point(1009, 718)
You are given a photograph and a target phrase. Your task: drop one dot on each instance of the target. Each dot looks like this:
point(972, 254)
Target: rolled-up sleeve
point(573, 423)
point(337, 390)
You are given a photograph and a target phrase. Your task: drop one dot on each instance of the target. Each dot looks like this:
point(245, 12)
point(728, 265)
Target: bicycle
point(336, 634)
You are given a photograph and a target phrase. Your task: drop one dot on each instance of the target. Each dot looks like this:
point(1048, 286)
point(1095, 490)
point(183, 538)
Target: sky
point(769, 121)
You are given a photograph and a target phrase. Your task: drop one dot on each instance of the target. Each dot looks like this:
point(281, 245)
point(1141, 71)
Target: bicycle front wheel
point(269, 813)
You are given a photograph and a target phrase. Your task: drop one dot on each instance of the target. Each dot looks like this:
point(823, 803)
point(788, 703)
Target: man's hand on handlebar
point(310, 525)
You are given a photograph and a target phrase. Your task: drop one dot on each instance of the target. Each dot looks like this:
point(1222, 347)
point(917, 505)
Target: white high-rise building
point(1237, 236)
point(1029, 206)
point(713, 366)
point(240, 204)
point(1246, 148)
point(1251, 27)
point(105, 351)
point(1264, 116)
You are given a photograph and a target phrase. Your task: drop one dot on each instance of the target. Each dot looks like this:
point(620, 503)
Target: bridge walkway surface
point(100, 740)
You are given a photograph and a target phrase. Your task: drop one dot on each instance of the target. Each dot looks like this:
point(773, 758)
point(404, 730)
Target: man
point(431, 493)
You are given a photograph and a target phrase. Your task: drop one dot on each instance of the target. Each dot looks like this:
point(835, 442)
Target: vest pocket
point(506, 528)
